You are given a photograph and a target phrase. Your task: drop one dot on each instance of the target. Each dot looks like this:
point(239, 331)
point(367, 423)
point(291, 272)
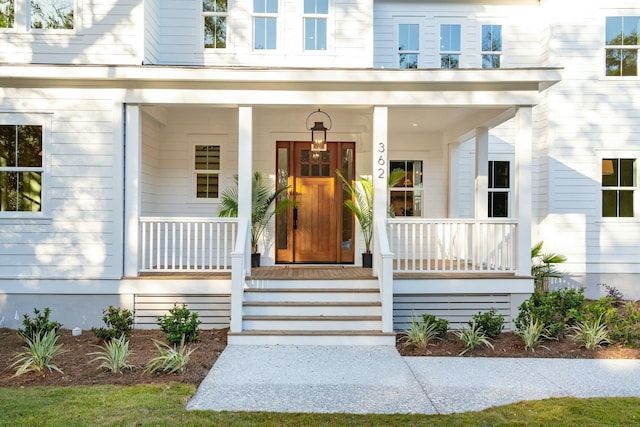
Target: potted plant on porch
point(362, 207)
point(265, 203)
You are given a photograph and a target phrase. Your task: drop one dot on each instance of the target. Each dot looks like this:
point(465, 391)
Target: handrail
point(238, 274)
point(385, 275)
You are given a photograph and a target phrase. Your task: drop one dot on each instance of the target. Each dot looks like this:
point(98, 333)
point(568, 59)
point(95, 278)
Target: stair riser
point(312, 296)
point(311, 284)
point(324, 310)
point(312, 325)
point(310, 340)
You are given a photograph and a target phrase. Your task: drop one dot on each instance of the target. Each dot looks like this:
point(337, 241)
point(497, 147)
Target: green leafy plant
point(613, 293)
point(262, 199)
point(543, 266)
point(181, 324)
point(119, 322)
point(626, 330)
point(591, 334)
point(114, 355)
point(472, 337)
point(39, 325)
point(490, 322)
point(442, 325)
point(171, 358)
point(421, 333)
point(532, 334)
point(556, 309)
point(361, 203)
point(39, 352)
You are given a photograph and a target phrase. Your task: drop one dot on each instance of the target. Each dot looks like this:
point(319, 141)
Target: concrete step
point(315, 308)
point(312, 323)
point(312, 295)
point(312, 283)
point(319, 337)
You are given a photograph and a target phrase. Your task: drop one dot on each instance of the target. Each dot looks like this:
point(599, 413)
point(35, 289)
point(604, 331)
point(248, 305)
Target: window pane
point(449, 61)
point(630, 27)
point(6, 14)
point(282, 217)
point(613, 30)
point(215, 32)
point(347, 217)
point(409, 60)
point(609, 172)
point(214, 5)
point(609, 203)
point(492, 38)
point(20, 191)
point(272, 6)
point(498, 204)
point(52, 14)
point(626, 203)
point(629, 62)
point(207, 157)
point(627, 167)
point(29, 146)
point(450, 37)
point(315, 34)
point(498, 174)
point(207, 186)
point(316, 6)
point(408, 37)
point(490, 61)
point(8, 146)
point(613, 62)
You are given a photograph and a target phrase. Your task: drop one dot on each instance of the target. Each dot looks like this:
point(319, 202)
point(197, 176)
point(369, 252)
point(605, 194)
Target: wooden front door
point(318, 229)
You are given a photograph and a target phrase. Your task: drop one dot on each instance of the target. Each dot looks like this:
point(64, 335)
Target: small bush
point(39, 325)
point(532, 334)
point(114, 355)
point(421, 333)
point(490, 322)
point(442, 325)
point(626, 330)
point(556, 310)
point(613, 293)
point(41, 349)
point(171, 359)
point(182, 324)
point(472, 337)
point(119, 322)
point(590, 333)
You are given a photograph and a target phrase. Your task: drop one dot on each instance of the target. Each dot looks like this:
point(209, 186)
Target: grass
point(163, 405)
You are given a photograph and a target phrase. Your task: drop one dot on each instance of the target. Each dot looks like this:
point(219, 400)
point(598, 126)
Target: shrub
point(41, 349)
point(119, 322)
point(472, 337)
point(114, 355)
point(171, 359)
point(491, 323)
point(532, 334)
point(421, 333)
point(626, 330)
point(182, 324)
point(613, 292)
point(39, 325)
point(590, 333)
point(442, 325)
point(556, 310)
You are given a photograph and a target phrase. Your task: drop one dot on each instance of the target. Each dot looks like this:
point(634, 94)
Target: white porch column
point(482, 173)
point(523, 204)
point(245, 170)
point(379, 169)
point(133, 144)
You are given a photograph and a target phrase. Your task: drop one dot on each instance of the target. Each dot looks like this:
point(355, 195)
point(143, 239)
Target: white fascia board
point(541, 77)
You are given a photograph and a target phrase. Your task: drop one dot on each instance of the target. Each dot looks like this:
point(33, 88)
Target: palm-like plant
point(543, 266)
point(262, 199)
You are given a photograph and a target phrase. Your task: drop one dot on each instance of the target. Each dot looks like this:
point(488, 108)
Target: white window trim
point(504, 157)
point(330, 18)
point(221, 140)
point(400, 156)
point(622, 154)
point(603, 30)
point(418, 20)
point(35, 119)
point(279, 32)
point(228, 14)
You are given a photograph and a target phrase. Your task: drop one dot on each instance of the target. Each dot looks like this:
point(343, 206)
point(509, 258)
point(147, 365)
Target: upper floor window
point(618, 186)
point(265, 24)
point(450, 46)
point(21, 168)
point(408, 45)
point(406, 196)
point(7, 13)
point(316, 15)
point(622, 45)
point(207, 171)
point(215, 14)
point(499, 189)
point(491, 46)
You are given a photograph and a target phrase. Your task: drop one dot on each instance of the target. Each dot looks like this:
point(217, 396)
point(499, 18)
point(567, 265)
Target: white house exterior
point(122, 122)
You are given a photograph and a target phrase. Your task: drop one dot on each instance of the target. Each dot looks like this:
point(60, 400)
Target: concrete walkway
point(376, 379)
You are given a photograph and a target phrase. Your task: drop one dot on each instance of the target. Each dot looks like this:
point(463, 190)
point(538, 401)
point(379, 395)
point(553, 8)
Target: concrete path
point(376, 379)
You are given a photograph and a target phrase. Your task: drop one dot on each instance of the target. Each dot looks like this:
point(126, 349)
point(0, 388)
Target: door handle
point(295, 217)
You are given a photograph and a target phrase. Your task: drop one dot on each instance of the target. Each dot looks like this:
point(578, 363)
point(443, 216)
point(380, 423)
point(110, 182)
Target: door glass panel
point(282, 218)
point(347, 219)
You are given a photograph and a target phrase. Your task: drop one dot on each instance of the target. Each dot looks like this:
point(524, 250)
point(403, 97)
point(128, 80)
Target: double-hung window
point(316, 17)
point(265, 24)
point(406, 196)
point(450, 45)
point(21, 168)
point(618, 185)
point(622, 44)
point(491, 46)
point(207, 171)
point(408, 45)
point(499, 189)
point(215, 14)
point(41, 14)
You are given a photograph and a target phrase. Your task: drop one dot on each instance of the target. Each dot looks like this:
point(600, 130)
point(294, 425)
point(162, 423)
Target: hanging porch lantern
point(318, 132)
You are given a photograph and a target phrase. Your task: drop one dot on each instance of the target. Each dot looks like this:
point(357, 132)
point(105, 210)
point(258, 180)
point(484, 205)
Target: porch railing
point(422, 245)
point(187, 244)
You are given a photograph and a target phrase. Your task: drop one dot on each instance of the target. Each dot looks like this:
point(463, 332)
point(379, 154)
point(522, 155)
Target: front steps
point(312, 312)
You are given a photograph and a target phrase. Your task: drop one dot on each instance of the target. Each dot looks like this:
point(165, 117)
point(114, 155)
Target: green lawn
point(163, 405)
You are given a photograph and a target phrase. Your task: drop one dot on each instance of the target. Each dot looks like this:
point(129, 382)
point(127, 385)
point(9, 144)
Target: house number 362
point(381, 160)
